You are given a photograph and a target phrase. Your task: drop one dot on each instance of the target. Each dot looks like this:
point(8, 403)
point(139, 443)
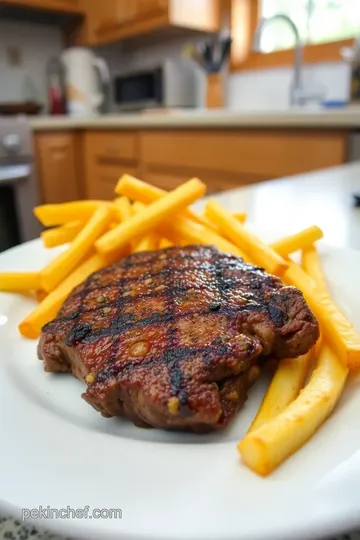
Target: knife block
point(214, 91)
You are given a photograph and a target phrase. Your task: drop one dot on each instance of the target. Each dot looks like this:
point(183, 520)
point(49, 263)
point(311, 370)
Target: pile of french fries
point(143, 217)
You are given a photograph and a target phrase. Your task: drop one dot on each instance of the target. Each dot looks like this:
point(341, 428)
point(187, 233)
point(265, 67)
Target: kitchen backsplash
point(263, 89)
point(29, 47)
point(24, 51)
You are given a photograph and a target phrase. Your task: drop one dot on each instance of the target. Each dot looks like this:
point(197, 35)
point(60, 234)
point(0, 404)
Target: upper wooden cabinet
point(51, 5)
point(118, 19)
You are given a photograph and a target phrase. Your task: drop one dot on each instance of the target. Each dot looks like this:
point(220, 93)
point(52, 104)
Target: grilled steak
point(174, 338)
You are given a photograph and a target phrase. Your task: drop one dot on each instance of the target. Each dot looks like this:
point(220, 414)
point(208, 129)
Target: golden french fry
point(151, 217)
point(141, 191)
point(149, 242)
point(259, 252)
point(19, 281)
point(138, 207)
point(80, 248)
point(165, 243)
point(288, 380)
point(240, 216)
point(123, 208)
point(40, 295)
point(190, 232)
point(61, 235)
point(268, 446)
point(295, 242)
point(31, 326)
point(310, 263)
point(336, 329)
point(57, 214)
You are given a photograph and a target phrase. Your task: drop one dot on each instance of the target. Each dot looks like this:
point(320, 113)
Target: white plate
point(57, 451)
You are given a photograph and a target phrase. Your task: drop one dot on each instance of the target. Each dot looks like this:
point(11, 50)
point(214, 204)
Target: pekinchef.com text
point(47, 512)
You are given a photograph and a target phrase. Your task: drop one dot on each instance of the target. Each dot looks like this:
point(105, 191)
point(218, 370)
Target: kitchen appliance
point(86, 77)
point(167, 85)
point(18, 189)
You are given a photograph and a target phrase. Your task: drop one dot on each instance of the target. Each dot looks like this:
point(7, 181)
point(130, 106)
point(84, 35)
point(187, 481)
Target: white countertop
point(347, 117)
point(323, 198)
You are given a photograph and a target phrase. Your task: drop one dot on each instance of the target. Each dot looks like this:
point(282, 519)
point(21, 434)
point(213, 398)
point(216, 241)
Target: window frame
point(244, 16)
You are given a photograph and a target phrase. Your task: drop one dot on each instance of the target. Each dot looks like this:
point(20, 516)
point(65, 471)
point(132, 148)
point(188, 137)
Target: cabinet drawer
point(102, 180)
point(112, 146)
point(263, 153)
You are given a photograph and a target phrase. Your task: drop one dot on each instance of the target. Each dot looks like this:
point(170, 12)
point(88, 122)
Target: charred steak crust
point(172, 338)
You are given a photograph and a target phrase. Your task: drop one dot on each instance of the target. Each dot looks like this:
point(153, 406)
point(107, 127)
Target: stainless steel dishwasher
point(18, 188)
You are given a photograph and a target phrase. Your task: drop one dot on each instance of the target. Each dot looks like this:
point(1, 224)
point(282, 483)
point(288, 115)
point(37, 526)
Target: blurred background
point(233, 91)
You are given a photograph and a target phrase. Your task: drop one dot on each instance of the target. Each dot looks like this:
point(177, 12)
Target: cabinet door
point(119, 18)
point(150, 8)
point(108, 155)
point(58, 166)
point(113, 15)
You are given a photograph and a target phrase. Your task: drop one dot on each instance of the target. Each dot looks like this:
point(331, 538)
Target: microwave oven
point(167, 85)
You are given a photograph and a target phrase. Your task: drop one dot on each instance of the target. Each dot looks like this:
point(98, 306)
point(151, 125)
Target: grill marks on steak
point(172, 337)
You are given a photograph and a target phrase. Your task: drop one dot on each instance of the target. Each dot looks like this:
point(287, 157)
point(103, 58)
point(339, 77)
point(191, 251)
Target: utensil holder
point(214, 91)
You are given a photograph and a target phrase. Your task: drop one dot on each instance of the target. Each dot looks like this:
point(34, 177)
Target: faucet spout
point(297, 86)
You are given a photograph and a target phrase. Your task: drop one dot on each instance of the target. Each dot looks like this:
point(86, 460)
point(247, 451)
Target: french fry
point(31, 326)
point(145, 193)
point(310, 263)
point(193, 233)
point(259, 252)
point(266, 447)
point(291, 373)
point(138, 207)
point(288, 380)
point(151, 217)
point(123, 208)
point(58, 214)
point(19, 281)
point(61, 235)
point(165, 243)
point(147, 243)
point(240, 216)
point(80, 248)
point(295, 242)
point(40, 295)
point(336, 329)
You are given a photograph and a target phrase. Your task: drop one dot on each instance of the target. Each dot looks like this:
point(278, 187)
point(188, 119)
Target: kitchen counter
point(323, 198)
point(344, 118)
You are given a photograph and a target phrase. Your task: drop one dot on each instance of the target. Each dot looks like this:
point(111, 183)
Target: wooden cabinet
point(108, 155)
point(88, 164)
point(117, 19)
point(59, 166)
point(231, 158)
point(51, 5)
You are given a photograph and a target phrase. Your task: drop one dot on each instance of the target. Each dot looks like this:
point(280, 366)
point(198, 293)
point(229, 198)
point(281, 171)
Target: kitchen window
point(324, 26)
point(318, 21)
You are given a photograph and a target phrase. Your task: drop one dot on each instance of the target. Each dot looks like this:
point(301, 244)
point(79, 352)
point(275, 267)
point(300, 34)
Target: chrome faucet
point(298, 94)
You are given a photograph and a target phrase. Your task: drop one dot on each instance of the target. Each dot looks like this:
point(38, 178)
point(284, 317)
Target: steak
point(174, 338)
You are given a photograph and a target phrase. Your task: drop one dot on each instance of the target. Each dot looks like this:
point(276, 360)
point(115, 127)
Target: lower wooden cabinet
point(59, 166)
point(108, 155)
point(226, 159)
point(89, 163)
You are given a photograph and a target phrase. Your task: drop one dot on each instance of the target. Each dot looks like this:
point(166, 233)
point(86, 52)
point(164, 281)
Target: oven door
point(17, 198)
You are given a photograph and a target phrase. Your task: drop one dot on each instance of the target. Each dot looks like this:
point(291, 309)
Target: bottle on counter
point(56, 86)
